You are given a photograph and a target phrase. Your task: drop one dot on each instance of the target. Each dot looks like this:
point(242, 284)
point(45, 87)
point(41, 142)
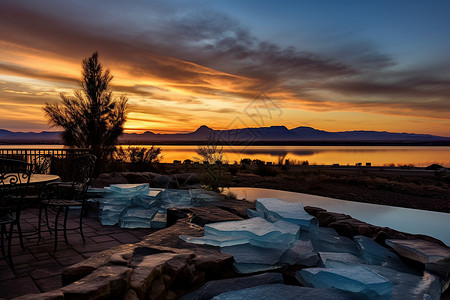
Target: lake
point(419, 156)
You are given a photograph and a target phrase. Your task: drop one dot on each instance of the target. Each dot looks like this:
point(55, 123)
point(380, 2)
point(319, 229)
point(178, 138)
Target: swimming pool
point(435, 224)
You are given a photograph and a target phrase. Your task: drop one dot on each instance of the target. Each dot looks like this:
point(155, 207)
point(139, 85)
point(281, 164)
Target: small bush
point(233, 170)
point(262, 170)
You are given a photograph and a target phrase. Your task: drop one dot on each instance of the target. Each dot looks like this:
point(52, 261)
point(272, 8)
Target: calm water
point(403, 219)
point(419, 156)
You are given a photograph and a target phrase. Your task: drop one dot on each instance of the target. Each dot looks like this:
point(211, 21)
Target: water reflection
point(420, 156)
point(328, 155)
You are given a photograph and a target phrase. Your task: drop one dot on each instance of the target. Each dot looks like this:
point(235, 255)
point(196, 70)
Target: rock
point(250, 254)
point(410, 286)
point(276, 209)
point(216, 240)
point(52, 295)
point(251, 213)
point(104, 283)
point(312, 210)
point(87, 266)
point(336, 260)
point(375, 254)
point(186, 179)
point(148, 264)
point(355, 279)
point(200, 215)
point(285, 292)
point(169, 236)
point(130, 295)
point(435, 258)
point(214, 288)
point(213, 263)
point(174, 214)
point(106, 179)
point(302, 253)
point(259, 231)
point(121, 259)
point(348, 226)
point(163, 181)
point(327, 240)
point(207, 215)
point(237, 207)
point(157, 290)
point(226, 209)
point(135, 177)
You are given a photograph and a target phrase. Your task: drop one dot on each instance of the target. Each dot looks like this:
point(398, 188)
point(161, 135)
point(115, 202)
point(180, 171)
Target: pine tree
point(91, 118)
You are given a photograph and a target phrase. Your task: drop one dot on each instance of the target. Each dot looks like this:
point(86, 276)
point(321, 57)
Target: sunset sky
point(332, 65)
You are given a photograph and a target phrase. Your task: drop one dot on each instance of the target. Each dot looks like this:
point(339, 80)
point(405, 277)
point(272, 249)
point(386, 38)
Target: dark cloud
point(212, 54)
point(14, 69)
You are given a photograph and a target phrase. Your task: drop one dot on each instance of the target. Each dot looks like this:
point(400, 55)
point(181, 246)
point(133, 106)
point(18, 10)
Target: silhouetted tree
point(91, 118)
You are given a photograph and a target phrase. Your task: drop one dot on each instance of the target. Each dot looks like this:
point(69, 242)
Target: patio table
point(36, 180)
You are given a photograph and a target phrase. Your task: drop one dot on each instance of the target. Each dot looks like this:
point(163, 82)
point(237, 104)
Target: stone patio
point(38, 269)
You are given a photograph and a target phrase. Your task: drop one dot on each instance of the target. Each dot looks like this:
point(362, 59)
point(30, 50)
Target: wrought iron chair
point(41, 164)
point(65, 195)
point(14, 180)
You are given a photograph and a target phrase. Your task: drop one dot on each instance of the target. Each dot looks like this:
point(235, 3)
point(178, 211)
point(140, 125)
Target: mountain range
point(274, 134)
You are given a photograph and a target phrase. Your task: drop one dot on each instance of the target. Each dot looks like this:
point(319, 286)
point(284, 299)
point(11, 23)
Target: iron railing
point(41, 159)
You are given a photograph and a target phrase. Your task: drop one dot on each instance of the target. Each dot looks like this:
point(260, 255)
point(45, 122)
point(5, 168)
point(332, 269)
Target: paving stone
point(68, 261)
point(42, 256)
point(65, 253)
point(82, 248)
point(17, 287)
point(102, 238)
point(6, 272)
point(23, 259)
point(49, 261)
point(47, 284)
point(125, 237)
point(50, 268)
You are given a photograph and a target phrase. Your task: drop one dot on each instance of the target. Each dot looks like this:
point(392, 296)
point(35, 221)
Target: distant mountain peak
point(259, 134)
point(204, 128)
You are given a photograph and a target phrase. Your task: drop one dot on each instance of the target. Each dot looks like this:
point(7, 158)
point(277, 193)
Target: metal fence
point(43, 160)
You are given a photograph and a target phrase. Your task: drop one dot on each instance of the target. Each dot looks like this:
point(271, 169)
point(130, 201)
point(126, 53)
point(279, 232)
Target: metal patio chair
point(62, 196)
point(14, 180)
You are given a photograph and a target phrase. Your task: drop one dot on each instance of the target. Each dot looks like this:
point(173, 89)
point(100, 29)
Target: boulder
point(80, 270)
point(200, 216)
point(148, 264)
point(435, 258)
point(163, 181)
point(286, 292)
point(51, 295)
point(106, 179)
point(136, 177)
point(216, 287)
point(104, 283)
point(186, 179)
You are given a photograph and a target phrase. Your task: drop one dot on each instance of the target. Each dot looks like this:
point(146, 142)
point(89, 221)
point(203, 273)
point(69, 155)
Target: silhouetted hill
point(7, 136)
point(274, 134)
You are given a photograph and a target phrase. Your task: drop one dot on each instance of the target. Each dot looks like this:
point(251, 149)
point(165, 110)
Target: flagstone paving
point(38, 269)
